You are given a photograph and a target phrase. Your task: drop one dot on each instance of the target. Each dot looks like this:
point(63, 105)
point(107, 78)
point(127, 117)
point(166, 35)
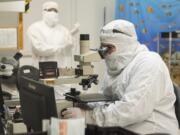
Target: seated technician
point(139, 79)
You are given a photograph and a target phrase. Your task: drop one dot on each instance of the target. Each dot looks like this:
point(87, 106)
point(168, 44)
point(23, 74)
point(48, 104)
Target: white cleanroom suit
point(50, 40)
point(140, 80)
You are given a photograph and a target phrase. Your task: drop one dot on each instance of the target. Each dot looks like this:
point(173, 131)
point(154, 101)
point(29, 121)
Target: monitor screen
point(37, 102)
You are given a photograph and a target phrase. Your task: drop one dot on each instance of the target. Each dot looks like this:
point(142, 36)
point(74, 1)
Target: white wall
point(89, 13)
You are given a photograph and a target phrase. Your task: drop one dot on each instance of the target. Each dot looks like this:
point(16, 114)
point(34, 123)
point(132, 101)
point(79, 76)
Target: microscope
point(83, 74)
point(8, 67)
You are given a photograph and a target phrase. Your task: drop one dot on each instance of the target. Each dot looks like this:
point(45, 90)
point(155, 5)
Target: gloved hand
point(75, 28)
point(73, 112)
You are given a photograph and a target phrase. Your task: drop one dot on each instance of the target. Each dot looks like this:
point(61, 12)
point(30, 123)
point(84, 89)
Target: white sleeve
point(68, 37)
point(143, 92)
point(39, 46)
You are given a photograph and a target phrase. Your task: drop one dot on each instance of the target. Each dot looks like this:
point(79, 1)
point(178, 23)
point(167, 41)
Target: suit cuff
point(89, 117)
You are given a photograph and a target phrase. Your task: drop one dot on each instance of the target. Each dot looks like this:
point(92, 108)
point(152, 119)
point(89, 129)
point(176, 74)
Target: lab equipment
point(29, 72)
point(14, 61)
point(86, 57)
point(8, 66)
point(102, 51)
point(48, 69)
point(76, 97)
point(83, 73)
point(6, 69)
point(37, 103)
point(8, 74)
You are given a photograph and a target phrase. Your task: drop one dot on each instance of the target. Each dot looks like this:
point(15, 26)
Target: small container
point(84, 43)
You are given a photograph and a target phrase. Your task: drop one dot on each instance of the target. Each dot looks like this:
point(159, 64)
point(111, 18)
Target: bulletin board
point(8, 38)
point(11, 32)
point(11, 24)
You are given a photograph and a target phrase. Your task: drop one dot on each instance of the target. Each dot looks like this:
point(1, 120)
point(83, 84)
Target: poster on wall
point(8, 38)
point(151, 18)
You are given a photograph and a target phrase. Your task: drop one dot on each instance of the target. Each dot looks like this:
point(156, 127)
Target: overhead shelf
point(13, 5)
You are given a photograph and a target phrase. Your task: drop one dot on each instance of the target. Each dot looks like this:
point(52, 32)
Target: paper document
point(67, 126)
point(8, 37)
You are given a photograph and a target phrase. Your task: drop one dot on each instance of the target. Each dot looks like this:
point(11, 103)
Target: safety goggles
point(104, 50)
point(51, 9)
point(112, 31)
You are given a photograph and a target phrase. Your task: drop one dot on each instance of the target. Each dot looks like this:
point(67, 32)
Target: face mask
point(111, 62)
point(115, 64)
point(50, 18)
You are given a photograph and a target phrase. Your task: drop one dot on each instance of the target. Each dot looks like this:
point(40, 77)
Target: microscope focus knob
point(3, 67)
point(74, 92)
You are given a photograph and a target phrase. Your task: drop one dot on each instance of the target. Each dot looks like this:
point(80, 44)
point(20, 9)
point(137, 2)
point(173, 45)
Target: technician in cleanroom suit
point(49, 39)
point(139, 79)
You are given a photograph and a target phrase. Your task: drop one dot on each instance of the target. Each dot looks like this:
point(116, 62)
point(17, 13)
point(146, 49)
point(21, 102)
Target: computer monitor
point(37, 102)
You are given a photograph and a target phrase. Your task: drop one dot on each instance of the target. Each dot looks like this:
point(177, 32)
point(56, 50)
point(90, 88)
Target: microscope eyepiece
point(2, 66)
